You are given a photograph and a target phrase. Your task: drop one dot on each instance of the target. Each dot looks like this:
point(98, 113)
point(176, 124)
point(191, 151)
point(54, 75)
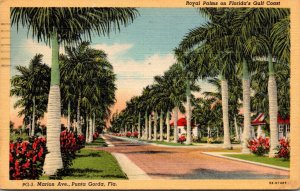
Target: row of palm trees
point(87, 87)
point(68, 27)
point(87, 84)
point(247, 51)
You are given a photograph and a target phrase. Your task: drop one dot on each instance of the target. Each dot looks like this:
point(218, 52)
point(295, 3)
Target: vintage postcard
point(148, 94)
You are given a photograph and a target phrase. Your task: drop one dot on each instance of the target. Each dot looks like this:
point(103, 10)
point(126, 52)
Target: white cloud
point(113, 50)
point(151, 66)
point(33, 48)
point(133, 75)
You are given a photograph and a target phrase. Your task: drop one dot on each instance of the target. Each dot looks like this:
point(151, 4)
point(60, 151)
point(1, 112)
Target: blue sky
point(140, 51)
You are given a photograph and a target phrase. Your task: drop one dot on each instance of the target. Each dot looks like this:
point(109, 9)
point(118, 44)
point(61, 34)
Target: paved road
point(187, 163)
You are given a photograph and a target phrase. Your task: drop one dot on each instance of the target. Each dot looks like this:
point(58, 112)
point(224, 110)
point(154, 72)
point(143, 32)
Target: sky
point(138, 52)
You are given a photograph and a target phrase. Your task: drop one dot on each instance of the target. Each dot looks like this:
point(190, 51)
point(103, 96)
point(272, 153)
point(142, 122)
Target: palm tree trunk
point(69, 116)
point(241, 133)
point(53, 160)
point(188, 114)
point(79, 129)
point(33, 117)
point(94, 123)
point(139, 126)
point(74, 127)
point(273, 108)
point(146, 126)
point(23, 126)
point(208, 132)
point(161, 126)
point(87, 129)
point(155, 126)
point(246, 108)
point(224, 87)
point(132, 129)
point(29, 130)
point(168, 126)
point(236, 128)
point(175, 113)
point(91, 131)
point(150, 128)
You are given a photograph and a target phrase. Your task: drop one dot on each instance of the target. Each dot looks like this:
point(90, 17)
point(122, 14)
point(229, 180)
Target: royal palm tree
point(32, 87)
point(69, 27)
point(175, 92)
point(68, 90)
point(191, 66)
point(224, 36)
point(144, 107)
point(258, 25)
point(162, 104)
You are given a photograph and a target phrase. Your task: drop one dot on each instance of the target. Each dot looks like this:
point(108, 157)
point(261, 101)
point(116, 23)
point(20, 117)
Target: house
point(181, 125)
point(259, 122)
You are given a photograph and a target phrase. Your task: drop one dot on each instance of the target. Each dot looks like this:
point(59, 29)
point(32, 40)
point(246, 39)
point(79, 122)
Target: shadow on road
point(202, 173)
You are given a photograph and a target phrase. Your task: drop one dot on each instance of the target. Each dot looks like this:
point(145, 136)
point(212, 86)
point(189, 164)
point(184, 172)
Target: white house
point(259, 121)
point(181, 125)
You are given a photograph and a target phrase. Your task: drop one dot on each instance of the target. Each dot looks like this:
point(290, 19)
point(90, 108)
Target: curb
point(130, 140)
point(109, 144)
point(132, 171)
point(220, 155)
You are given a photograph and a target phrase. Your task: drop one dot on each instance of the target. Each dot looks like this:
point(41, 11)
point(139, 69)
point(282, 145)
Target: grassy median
point(261, 159)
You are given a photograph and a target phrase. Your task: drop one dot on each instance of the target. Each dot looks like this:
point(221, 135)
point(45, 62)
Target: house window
point(287, 128)
point(179, 130)
point(281, 128)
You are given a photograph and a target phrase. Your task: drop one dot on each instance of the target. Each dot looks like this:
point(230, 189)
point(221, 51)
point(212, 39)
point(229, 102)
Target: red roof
point(283, 121)
point(260, 120)
point(180, 122)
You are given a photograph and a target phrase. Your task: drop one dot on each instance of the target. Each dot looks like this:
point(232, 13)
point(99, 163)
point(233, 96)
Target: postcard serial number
point(277, 182)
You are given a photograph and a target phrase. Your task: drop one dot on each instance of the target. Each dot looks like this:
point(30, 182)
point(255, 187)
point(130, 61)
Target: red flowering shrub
point(181, 139)
point(128, 134)
point(135, 134)
point(69, 144)
point(283, 149)
point(259, 146)
point(26, 158)
point(96, 135)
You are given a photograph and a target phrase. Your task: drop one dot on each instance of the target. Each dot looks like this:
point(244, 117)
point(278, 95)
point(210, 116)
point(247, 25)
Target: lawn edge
point(221, 155)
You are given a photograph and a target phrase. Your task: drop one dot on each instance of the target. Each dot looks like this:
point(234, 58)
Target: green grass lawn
point(261, 159)
point(97, 142)
point(93, 165)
